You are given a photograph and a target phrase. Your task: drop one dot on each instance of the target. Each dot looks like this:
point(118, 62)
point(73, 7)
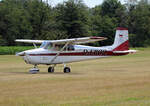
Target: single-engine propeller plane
point(52, 52)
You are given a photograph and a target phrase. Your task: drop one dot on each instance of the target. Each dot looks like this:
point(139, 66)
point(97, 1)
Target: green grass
point(114, 81)
point(5, 50)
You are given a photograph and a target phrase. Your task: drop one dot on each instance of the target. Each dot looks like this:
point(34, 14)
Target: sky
point(89, 3)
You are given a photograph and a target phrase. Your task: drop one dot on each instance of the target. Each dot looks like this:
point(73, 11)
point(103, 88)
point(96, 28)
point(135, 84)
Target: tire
point(33, 71)
point(50, 69)
point(67, 70)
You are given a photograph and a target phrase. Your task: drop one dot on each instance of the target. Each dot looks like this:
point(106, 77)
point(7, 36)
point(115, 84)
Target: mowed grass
point(114, 81)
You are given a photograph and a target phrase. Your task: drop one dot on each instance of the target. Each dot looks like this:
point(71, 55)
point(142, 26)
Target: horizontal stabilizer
point(126, 51)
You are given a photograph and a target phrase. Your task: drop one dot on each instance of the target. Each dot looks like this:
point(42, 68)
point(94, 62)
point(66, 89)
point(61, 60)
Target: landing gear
point(34, 70)
point(67, 70)
point(50, 69)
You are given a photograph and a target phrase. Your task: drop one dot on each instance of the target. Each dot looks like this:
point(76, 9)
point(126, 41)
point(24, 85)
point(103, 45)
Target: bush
point(12, 50)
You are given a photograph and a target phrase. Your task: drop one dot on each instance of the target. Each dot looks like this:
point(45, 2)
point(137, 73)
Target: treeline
point(37, 19)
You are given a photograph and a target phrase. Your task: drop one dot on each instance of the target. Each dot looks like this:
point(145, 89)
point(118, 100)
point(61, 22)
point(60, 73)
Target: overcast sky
point(89, 3)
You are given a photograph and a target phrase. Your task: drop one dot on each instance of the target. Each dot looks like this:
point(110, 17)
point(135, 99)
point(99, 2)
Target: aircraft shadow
point(46, 73)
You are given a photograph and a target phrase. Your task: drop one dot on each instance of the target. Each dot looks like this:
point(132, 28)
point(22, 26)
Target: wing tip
point(18, 40)
point(95, 37)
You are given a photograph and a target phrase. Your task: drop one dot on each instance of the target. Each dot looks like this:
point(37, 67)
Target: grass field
point(114, 81)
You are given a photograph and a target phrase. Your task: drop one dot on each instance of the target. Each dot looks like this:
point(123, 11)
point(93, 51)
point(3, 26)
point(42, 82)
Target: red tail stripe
point(121, 28)
point(123, 46)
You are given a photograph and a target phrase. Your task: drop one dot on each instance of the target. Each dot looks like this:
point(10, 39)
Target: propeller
point(20, 54)
point(25, 56)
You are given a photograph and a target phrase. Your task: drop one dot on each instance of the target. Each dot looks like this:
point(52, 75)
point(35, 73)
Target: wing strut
point(35, 45)
point(59, 52)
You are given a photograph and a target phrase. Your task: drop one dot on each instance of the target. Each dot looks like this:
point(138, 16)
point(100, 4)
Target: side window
point(70, 48)
point(58, 47)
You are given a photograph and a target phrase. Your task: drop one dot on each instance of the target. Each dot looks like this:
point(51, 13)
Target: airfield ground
point(114, 81)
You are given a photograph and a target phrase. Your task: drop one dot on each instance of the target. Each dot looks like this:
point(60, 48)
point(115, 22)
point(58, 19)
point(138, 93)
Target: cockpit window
point(43, 44)
point(58, 47)
point(46, 45)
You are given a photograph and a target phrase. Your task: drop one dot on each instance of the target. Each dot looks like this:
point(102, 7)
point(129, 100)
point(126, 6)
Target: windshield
point(46, 45)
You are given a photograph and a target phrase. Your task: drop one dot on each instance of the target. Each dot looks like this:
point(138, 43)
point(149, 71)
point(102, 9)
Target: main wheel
point(67, 70)
point(51, 69)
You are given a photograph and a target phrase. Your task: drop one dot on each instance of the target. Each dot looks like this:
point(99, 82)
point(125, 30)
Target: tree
point(114, 9)
point(72, 17)
point(13, 22)
point(139, 25)
point(39, 17)
point(25, 19)
point(109, 7)
point(103, 26)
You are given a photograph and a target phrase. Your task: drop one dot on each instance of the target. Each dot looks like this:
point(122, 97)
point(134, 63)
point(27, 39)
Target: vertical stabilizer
point(121, 42)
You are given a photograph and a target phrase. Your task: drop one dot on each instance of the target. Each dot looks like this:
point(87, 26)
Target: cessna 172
point(52, 52)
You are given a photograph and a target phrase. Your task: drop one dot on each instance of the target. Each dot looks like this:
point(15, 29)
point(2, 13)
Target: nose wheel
point(34, 70)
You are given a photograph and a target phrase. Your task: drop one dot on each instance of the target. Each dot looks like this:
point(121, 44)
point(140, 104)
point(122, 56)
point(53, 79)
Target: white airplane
point(52, 52)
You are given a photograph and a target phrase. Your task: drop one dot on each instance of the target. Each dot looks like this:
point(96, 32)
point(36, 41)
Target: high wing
point(29, 41)
point(63, 41)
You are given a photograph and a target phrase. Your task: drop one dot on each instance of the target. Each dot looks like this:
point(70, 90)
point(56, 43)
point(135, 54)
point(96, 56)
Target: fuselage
point(79, 53)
